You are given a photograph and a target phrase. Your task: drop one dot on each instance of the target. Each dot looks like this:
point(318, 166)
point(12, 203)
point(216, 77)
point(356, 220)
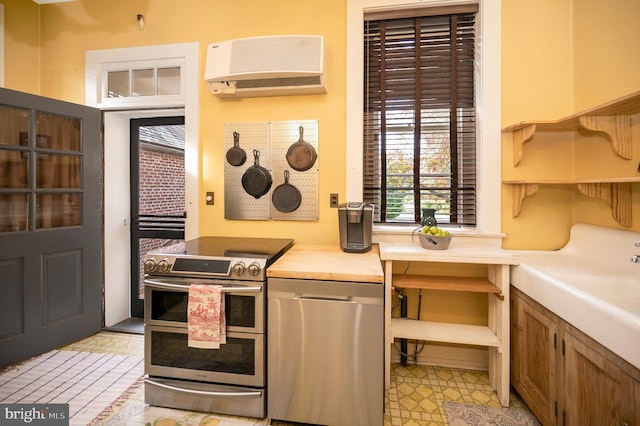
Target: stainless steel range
point(229, 380)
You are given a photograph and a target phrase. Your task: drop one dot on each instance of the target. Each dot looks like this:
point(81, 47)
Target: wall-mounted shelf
point(612, 118)
point(615, 191)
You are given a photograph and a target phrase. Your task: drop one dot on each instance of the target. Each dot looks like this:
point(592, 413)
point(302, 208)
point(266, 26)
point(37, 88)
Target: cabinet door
point(537, 335)
point(597, 391)
point(515, 342)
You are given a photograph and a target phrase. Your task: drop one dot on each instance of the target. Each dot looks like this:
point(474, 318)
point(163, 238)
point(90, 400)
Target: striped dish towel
point(206, 323)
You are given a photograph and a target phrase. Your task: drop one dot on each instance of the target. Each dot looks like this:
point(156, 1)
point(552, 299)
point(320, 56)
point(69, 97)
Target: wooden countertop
point(328, 262)
point(455, 254)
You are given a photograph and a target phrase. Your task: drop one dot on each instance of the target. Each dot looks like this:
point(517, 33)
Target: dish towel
point(206, 323)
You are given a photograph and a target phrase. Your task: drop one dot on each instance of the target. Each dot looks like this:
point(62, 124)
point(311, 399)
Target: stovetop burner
point(263, 248)
point(221, 257)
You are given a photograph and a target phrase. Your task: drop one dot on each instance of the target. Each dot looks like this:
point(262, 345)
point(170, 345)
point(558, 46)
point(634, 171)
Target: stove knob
point(239, 268)
point(254, 269)
point(149, 265)
point(163, 266)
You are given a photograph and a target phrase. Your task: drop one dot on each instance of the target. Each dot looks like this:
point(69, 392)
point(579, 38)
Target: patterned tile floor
point(415, 396)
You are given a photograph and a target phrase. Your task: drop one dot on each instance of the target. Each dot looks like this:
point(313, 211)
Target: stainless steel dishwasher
point(325, 352)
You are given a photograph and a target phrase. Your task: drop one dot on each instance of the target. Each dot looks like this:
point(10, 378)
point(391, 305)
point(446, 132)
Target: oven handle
point(239, 289)
point(248, 394)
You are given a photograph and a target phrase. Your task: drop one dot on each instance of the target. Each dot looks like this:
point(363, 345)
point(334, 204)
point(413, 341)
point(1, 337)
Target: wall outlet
point(209, 198)
point(333, 200)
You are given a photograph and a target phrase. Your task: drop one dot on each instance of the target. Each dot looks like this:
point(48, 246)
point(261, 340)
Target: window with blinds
point(419, 116)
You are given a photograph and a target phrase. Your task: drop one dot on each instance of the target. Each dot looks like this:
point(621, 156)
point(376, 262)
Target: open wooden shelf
point(494, 336)
point(434, 282)
point(615, 191)
point(612, 118)
point(463, 334)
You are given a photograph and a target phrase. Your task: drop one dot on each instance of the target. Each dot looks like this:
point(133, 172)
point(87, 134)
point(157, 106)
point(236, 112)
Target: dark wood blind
point(420, 118)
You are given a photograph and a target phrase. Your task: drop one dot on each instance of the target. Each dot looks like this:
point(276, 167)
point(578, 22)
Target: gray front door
point(50, 224)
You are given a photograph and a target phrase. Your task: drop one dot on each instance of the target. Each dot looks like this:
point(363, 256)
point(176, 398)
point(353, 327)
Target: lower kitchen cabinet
point(534, 339)
point(564, 376)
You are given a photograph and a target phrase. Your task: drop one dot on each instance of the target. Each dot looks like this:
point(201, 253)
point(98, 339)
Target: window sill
point(404, 234)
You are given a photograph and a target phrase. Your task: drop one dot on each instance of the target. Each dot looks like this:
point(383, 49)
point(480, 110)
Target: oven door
point(240, 361)
point(165, 302)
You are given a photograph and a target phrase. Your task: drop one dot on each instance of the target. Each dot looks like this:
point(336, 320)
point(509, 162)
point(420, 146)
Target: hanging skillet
point(286, 197)
point(236, 155)
point(256, 180)
point(301, 155)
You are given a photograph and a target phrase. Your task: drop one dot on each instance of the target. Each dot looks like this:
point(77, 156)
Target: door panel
point(61, 285)
point(50, 224)
point(535, 380)
point(11, 308)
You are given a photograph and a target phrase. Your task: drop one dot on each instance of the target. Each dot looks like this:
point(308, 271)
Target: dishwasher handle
point(348, 299)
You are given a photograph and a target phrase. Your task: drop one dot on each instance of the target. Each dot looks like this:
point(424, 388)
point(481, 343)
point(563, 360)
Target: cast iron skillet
point(236, 155)
point(286, 197)
point(301, 155)
point(256, 180)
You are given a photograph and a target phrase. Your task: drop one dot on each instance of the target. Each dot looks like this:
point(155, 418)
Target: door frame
point(117, 220)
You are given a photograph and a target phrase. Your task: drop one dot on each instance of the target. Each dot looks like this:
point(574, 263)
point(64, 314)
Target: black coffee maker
point(356, 222)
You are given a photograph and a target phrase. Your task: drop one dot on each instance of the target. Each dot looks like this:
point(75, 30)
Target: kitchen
point(573, 55)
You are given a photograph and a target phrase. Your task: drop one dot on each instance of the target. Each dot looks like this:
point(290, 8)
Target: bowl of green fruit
point(434, 238)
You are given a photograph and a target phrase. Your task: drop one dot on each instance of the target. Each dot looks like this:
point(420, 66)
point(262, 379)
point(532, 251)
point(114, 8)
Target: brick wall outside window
point(161, 183)
point(161, 192)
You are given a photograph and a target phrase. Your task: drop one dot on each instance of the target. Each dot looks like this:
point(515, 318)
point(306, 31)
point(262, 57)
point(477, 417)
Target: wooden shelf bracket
point(617, 128)
point(617, 195)
point(520, 137)
point(520, 192)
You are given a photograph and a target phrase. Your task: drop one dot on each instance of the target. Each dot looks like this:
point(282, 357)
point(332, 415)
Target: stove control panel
point(204, 266)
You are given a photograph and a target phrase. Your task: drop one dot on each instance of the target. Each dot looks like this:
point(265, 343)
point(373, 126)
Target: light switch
point(209, 198)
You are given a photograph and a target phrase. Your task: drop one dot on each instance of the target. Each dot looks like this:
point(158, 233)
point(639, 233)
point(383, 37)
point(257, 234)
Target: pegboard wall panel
point(272, 140)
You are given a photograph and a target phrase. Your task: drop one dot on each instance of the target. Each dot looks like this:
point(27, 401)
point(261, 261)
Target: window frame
point(488, 105)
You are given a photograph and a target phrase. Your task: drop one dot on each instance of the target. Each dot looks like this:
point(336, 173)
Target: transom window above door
point(141, 82)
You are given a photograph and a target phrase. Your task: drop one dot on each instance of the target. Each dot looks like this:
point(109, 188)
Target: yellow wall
point(22, 45)
point(606, 66)
point(70, 29)
point(559, 56)
point(605, 50)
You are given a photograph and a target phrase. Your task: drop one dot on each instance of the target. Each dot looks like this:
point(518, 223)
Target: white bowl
point(434, 242)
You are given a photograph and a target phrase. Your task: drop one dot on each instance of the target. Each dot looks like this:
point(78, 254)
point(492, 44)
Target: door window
point(58, 167)
point(43, 171)
point(14, 166)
